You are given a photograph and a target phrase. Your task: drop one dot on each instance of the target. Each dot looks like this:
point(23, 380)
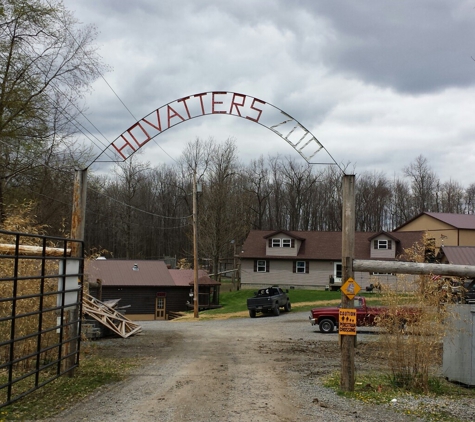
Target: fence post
point(77, 232)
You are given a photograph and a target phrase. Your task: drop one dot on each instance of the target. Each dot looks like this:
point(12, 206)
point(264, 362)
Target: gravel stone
point(262, 369)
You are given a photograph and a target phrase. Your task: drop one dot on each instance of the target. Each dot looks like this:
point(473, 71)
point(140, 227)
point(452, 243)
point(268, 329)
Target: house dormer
point(383, 245)
point(282, 243)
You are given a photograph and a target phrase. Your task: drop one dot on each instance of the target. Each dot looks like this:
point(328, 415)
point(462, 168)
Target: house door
point(160, 307)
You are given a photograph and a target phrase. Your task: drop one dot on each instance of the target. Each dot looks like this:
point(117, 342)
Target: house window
point(261, 266)
point(286, 243)
point(382, 244)
point(281, 243)
point(338, 270)
point(300, 267)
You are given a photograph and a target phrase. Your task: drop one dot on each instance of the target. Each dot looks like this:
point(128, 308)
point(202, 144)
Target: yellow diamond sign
point(350, 288)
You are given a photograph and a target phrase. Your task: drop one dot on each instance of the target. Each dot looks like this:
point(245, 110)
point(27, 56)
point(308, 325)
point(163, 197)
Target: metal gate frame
point(41, 275)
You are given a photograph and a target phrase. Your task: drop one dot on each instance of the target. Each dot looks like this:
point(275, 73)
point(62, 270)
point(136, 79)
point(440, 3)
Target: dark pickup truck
point(270, 299)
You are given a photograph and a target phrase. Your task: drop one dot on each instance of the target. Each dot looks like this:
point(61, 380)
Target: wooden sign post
point(347, 342)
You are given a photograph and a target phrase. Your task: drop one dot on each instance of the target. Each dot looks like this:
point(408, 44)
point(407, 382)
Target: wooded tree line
point(138, 210)
point(143, 211)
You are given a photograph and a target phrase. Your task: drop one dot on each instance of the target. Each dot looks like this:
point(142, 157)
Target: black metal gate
point(40, 308)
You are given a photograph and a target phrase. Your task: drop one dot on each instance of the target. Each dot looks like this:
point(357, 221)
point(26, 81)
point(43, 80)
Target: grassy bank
point(94, 372)
point(234, 303)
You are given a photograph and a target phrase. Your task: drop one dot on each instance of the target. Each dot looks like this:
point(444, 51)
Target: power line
point(137, 209)
point(103, 215)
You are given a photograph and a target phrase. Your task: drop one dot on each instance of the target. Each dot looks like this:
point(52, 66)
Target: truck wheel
point(276, 310)
point(287, 307)
point(252, 313)
point(326, 326)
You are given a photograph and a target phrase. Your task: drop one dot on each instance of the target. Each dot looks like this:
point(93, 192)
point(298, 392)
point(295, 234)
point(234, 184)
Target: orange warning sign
point(347, 322)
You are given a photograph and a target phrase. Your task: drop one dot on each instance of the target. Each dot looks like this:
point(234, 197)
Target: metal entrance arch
point(214, 103)
point(203, 104)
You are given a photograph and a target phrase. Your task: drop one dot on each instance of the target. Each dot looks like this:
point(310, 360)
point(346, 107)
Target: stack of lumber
point(109, 317)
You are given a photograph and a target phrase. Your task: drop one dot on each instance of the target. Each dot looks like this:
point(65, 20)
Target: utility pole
point(195, 247)
point(347, 342)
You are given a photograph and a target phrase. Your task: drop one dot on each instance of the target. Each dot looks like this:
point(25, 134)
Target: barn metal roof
point(458, 221)
point(459, 255)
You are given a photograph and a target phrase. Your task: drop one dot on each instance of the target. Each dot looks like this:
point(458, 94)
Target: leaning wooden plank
point(109, 317)
point(33, 250)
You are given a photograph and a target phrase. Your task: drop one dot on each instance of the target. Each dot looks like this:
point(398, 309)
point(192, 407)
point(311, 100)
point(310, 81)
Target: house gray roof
point(459, 255)
point(324, 245)
point(458, 221)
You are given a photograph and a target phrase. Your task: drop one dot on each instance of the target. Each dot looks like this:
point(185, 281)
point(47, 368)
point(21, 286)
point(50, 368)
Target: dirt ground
point(262, 369)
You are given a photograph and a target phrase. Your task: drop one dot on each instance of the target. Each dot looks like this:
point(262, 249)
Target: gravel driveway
point(263, 369)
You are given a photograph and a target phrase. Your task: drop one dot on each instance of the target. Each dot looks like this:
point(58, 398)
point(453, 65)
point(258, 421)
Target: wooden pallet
point(109, 317)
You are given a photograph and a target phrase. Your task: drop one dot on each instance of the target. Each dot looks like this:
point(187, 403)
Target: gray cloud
point(378, 83)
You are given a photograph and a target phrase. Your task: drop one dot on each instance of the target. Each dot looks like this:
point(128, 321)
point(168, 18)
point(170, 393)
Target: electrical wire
point(137, 209)
point(89, 210)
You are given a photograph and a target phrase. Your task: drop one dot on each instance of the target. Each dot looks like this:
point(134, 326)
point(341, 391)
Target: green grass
point(93, 372)
point(233, 302)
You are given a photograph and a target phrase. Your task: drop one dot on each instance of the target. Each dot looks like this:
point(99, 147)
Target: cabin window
point(382, 244)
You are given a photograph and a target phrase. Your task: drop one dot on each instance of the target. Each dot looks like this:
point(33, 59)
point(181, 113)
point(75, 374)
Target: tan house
point(444, 228)
point(310, 259)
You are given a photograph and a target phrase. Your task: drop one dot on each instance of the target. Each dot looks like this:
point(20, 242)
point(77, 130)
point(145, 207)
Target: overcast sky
point(378, 83)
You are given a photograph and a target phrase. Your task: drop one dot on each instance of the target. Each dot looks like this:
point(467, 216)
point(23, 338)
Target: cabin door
point(160, 307)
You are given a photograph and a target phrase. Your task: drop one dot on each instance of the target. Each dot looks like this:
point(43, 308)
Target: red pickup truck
point(327, 318)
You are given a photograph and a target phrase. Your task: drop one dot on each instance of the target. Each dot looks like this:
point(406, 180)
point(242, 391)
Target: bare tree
point(470, 199)
point(373, 198)
point(299, 182)
point(451, 198)
point(221, 210)
point(46, 63)
point(424, 184)
point(132, 174)
point(258, 193)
